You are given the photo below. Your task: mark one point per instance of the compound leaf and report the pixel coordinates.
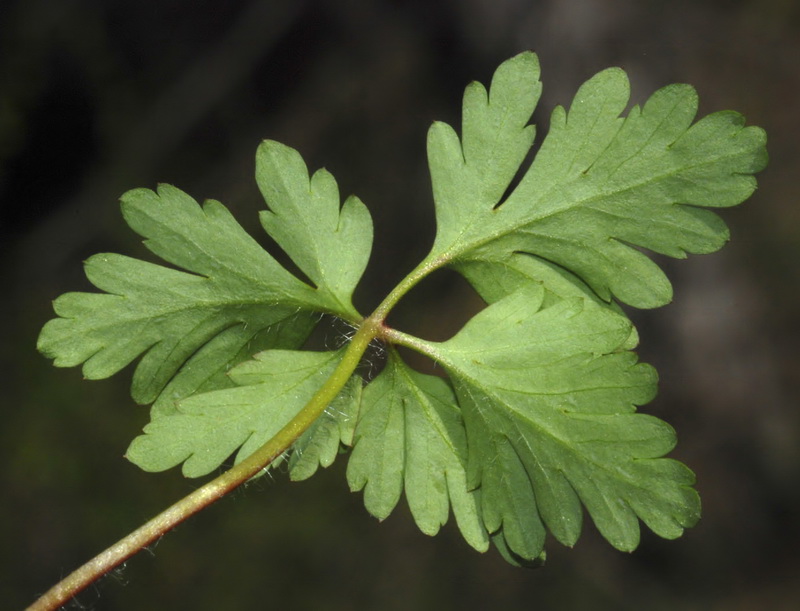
(207, 428)
(537, 419)
(600, 187)
(191, 326)
(410, 436)
(549, 411)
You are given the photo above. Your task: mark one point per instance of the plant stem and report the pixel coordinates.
(369, 329)
(428, 265)
(214, 490)
(410, 341)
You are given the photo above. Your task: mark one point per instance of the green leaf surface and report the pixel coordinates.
(410, 436)
(536, 422)
(329, 435)
(600, 188)
(470, 175)
(208, 428)
(549, 409)
(495, 279)
(195, 323)
(207, 368)
(330, 245)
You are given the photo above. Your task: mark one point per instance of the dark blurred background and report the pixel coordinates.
(100, 97)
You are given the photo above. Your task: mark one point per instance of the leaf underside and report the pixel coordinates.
(410, 437)
(229, 299)
(536, 420)
(600, 188)
(268, 391)
(553, 399)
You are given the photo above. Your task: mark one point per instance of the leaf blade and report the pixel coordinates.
(601, 186)
(330, 245)
(207, 428)
(553, 398)
(410, 438)
(228, 285)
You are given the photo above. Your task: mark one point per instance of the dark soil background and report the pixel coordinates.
(100, 97)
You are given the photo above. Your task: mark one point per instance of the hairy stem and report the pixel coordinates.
(409, 341)
(214, 490)
(369, 329)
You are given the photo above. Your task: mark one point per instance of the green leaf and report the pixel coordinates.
(549, 410)
(410, 436)
(331, 246)
(193, 325)
(470, 176)
(601, 186)
(207, 428)
(207, 368)
(495, 279)
(537, 419)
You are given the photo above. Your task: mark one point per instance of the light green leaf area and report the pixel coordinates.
(207, 369)
(330, 245)
(495, 279)
(410, 436)
(601, 187)
(550, 416)
(330, 434)
(190, 326)
(208, 428)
